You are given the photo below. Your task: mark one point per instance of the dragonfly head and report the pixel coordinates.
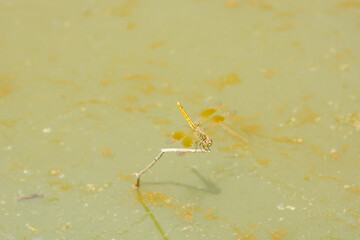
(207, 143)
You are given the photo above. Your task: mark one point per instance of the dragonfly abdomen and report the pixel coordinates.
(186, 116)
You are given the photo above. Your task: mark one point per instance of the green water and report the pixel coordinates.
(88, 92)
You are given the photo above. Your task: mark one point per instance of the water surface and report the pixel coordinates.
(88, 92)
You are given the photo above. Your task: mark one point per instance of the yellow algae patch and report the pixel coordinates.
(349, 4)
(32, 228)
(288, 140)
(65, 82)
(266, 6)
(277, 235)
(318, 150)
(66, 226)
(226, 81)
(106, 152)
(330, 178)
(307, 96)
(210, 214)
(52, 58)
(10, 123)
(161, 200)
(146, 88)
(95, 117)
(345, 148)
(232, 4)
(164, 64)
(352, 119)
(156, 44)
(307, 115)
(61, 185)
(55, 172)
(123, 10)
(137, 109)
(130, 99)
(92, 101)
(187, 213)
(244, 235)
(285, 27)
(296, 44)
(6, 85)
(144, 109)
(263, 162)
(106, 82)
(131, 26)
(324, 177)
(157, 199)
(132, 77)
(55, 183)
(124, 177)
(66, 187)
(94, 188)
(160, 64)
(269, 73)
(260, 4)
(353, 189)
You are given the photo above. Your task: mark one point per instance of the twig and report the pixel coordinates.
(31, 196)
(164, 150)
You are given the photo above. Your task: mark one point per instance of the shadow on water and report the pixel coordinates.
(209, 186)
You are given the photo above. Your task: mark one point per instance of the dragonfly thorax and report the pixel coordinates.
(203, 140)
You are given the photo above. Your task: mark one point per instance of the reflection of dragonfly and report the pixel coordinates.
(197, 135)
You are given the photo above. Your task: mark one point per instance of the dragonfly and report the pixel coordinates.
(197, 135)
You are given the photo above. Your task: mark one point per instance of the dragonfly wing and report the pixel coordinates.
(220, 118)
(178, 134)
(188, 141)
(209, 112)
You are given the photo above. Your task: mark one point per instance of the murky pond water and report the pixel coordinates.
(88, 93)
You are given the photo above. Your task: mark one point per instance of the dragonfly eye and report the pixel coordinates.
(208, 142)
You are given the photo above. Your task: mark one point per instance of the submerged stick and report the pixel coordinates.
(164, 150)
(31, 196)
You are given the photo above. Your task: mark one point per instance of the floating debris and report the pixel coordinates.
(31, 196)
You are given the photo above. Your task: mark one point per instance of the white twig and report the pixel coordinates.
(165, 150)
